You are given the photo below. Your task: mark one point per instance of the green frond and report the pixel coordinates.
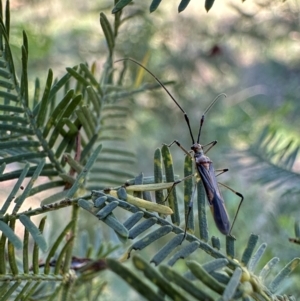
(229, 278)
(273, 158)
(225, 281)
(20, 278)
(102, 200)
(73, 132)
(62, 125)
(39, 279)
(64, 120)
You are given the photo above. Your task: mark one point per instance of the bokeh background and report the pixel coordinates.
(250, 51)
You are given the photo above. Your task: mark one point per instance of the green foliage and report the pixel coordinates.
(254, 62)
(49, 127)
(55, 133)
(226, 276)
(73, 134)
(274, 157)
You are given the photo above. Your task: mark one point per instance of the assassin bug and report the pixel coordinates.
(204, 167)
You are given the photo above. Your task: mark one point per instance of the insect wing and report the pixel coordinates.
(214, 197)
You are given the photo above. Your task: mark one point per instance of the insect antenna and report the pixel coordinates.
(168, 92)
(202, 118)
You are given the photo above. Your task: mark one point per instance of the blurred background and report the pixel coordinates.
(250, 51)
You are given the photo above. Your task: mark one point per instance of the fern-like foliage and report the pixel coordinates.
(228, 277)
(74, 127)
(273, 159)
(63, 125)
(72, 133)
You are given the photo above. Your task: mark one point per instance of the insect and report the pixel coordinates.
(204, 167)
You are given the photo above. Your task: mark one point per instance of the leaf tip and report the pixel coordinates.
(115, 10)
(208, 5)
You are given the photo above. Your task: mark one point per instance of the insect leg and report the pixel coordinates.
(179, 145)
(221, 171)
(211, 145)
(238, 209)
(176, 183)
(189, 207)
